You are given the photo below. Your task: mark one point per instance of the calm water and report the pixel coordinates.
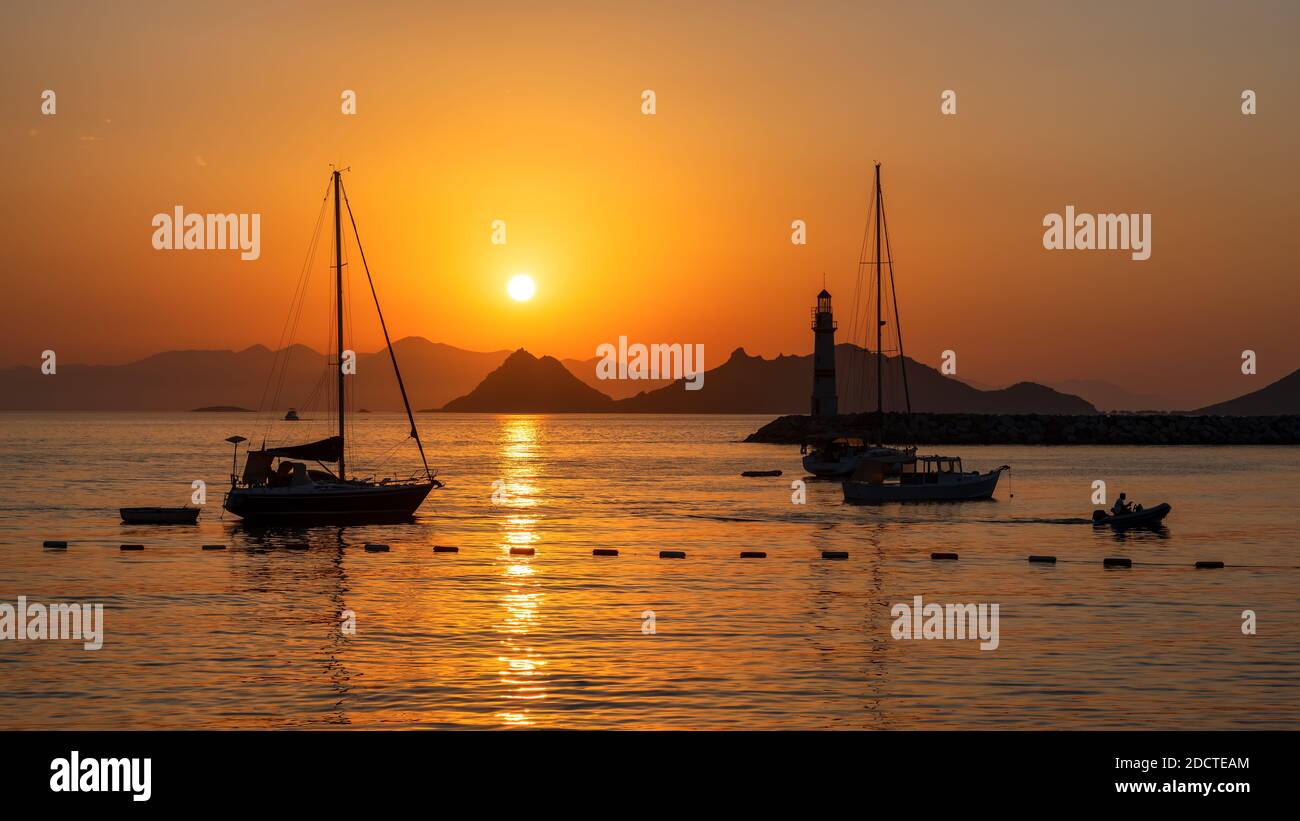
(249, 637)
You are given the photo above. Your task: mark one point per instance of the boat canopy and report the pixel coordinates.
(325, 450)
(257, 466)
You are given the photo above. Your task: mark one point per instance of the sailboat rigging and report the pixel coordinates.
(902, 475)
(841, 456)
(290, 492)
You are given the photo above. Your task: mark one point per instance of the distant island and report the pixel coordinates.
(222, 409)
(527, 384)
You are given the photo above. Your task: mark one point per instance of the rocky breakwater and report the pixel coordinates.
(1038, 429)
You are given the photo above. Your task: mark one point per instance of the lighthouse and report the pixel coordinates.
(824, 401)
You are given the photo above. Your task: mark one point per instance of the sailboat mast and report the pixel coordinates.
(338, 270)
(880, 389)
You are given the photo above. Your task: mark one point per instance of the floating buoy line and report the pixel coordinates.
(61, 545)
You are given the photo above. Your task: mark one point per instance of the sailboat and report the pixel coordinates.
(838, 457)
(276, 485)
(900, 474)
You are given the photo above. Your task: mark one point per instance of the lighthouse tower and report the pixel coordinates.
(824, 400)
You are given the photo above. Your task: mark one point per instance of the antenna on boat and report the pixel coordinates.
(234, 457)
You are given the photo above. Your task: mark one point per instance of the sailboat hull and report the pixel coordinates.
(841, 465)
(327, 503)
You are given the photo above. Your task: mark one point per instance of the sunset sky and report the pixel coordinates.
(673, 227)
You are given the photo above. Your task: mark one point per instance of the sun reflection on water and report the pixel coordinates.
(522, 673)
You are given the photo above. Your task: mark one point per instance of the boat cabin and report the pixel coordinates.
(930, 469)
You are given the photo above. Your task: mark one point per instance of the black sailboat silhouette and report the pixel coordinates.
(840, 457)
(904, 476)
(292, 493)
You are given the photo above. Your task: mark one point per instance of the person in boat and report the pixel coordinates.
(1121, 506)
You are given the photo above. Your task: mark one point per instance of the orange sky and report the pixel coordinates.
(673, 227)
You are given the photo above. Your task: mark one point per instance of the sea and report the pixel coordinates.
(266, 635)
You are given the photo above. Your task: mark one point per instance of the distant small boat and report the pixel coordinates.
(291, 416)
(761, 473)
(1146, 517)
(159, 515)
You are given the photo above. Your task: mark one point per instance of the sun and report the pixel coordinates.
(521, 287)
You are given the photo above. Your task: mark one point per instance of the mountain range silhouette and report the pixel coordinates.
(443, 377)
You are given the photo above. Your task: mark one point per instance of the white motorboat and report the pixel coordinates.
(923, 479)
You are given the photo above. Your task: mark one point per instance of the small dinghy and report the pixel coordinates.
(159, 515)
(1145, 517)
(761, 473)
